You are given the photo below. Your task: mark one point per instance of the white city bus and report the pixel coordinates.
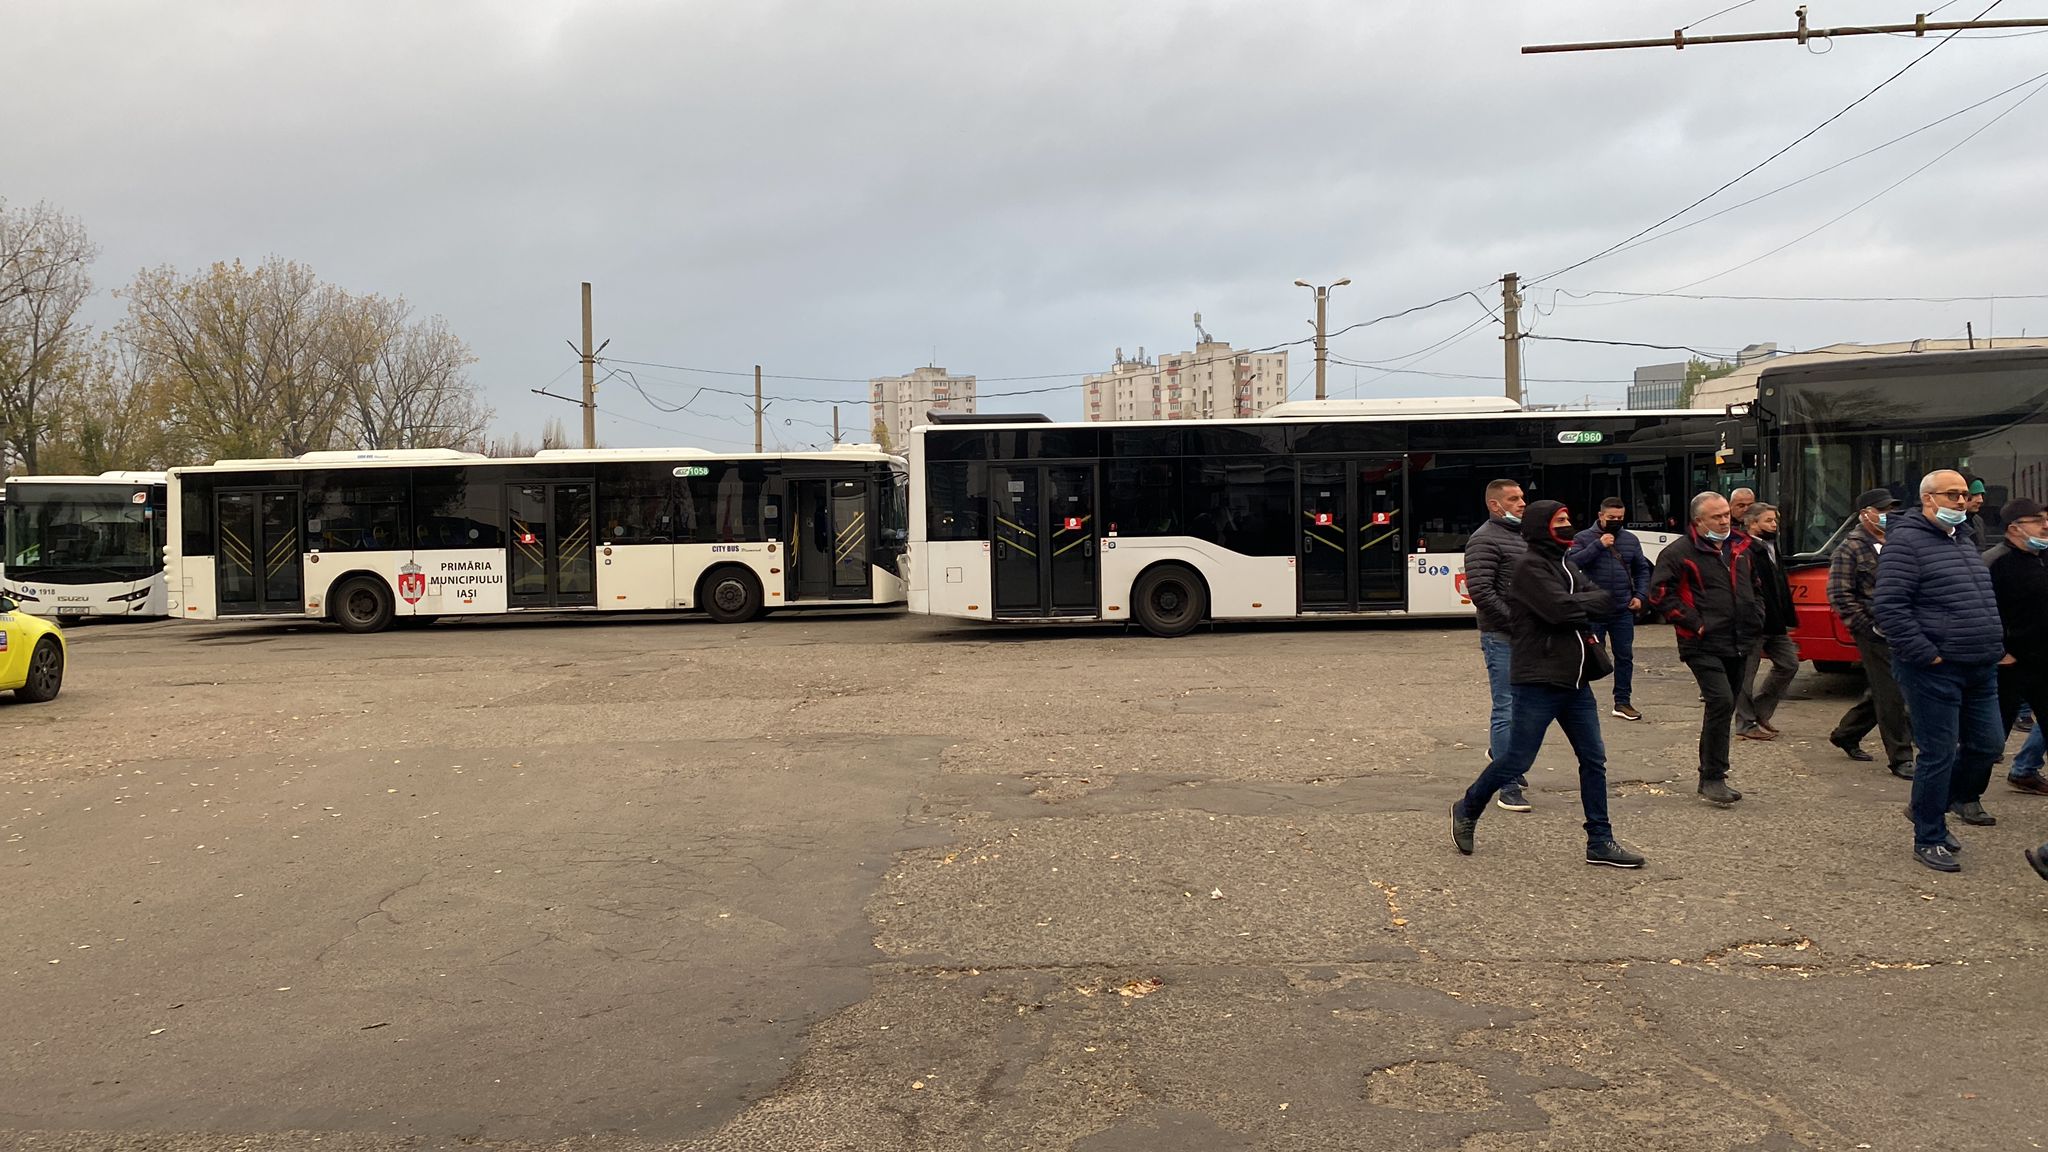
(368, 539)
(86, 545)
(1320, 508)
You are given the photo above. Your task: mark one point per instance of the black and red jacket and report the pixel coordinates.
(1711, 593)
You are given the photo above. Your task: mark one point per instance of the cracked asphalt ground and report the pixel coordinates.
(878, 883)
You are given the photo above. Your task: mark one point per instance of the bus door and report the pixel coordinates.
(1351, 553)
(256, 549)
(550, 563)
(1044, 547)
(829, 554)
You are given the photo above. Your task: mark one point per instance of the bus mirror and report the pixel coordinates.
(1729, 449)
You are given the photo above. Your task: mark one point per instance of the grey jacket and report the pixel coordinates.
(1490, 555)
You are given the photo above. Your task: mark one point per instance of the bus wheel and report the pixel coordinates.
(730, 595)
(45, 673)
(362, 605)
(1170, 600)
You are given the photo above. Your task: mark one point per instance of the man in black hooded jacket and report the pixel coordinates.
(1551, 605)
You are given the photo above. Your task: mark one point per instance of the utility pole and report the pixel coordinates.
(1511, 319)
(1322, 330)
(589, 376)
(835, 422)
(1970, 330)
(757, 407)
(1920, 26)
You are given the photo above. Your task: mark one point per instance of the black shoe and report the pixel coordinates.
(1718, 792)
(1613, 855)
(1937, 857)
(1972, 812)
(1902, 771)
(1853, 750)
(2039, 861)
(1461, 827)
(1949, 841)
(1513, 799)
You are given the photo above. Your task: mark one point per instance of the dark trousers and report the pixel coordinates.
(1574, 710)
(1955, 722)
(1882, 706)
(1620, 634)
(2024, 684)
(1719, 678)
(1754, 705)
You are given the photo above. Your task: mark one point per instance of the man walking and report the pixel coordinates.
(1551, 606)
(1613, 557)
(1936, 606)
(1706, 586)
(1490, 556)
(2019, 579)
(1852, 593)
(1754, 707)
(1739, 503)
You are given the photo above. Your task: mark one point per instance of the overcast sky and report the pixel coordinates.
(851, 189)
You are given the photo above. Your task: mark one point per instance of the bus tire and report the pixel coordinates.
(1170, 600)
(45, 672)
(361, 605)
(730, 595)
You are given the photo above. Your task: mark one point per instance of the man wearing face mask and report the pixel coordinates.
(1936, 605)
(1613, 557)
(1490, 556)
(1852, 593)
(1551, 605)
(1755, 706)
(2019, 578)
(1707, 587)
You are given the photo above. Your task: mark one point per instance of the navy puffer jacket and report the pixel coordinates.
(1934, 595)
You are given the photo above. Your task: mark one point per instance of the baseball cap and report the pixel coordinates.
(2019, 508)
(1879, 498)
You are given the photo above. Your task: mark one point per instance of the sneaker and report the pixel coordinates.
(1613, 855)
(1937, 857)
(1972, 812)
(1718, 792)
(2039, 861)
(2028, 783)
(1626, 712)
(1514, 799)
(1461, 827)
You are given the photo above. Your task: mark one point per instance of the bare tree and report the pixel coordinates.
(114, 416)
(245, 353)
(45, 259)
(407, 381)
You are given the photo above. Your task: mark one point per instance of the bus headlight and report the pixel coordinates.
(129, 597)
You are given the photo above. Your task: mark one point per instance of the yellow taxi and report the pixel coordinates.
(31, 654)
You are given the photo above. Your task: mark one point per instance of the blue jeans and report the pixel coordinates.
(1497, 649)
(1954, 709)
(1574, 710)
(1623, 648)
(2031, 755)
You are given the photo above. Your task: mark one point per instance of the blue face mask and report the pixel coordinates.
(1716, 537)
(1884, 519)
(1951, 516)
(2037, 543)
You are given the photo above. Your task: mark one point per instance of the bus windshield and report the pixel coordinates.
(100, 530)
(1840, 429)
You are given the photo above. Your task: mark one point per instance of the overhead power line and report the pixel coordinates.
(1976, 299)
(1759, 165)
(1803, 33)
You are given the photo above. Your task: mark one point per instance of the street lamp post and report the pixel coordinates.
(1322, 329)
